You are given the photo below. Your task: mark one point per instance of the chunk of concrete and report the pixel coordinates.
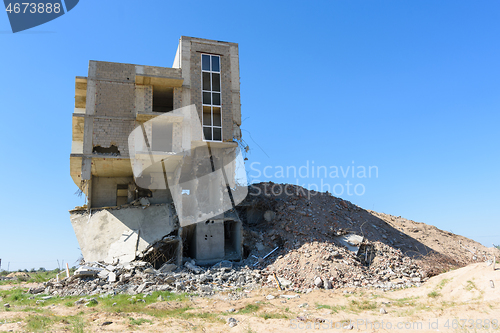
(87, 271)
(166, 268)
(351, 241)
(192, 267)
(112, 277)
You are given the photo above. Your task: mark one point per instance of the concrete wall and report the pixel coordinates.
(209, 240)
(104, 190)
(188, 57)
(120, 234)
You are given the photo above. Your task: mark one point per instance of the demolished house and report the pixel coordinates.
(156, 152)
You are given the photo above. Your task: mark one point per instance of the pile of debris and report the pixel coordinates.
(140, 277)
(295, 240)
(323, 265)
(328, 242)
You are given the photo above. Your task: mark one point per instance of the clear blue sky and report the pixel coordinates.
(411, 87)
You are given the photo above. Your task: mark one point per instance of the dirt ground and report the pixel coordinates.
(461, 300)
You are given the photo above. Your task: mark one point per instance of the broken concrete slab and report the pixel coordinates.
(192, 267)
(87, 271)
(119, 235)
(166, 268)
(351, 241)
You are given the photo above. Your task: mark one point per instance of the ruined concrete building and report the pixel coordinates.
(155, 151)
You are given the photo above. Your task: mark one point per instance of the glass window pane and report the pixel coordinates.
(217, 134)
(206, 81)
(215, 81)
(207, 132)
(217, 117)
(205, 62)
(215, 64)
(206, 98)
(207, 116)
(216, 98)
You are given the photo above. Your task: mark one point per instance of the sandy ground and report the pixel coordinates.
(462, 300)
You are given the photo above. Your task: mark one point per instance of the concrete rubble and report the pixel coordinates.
(139, 277)
(304, 244)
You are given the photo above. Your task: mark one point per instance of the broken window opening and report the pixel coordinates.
(187, 239)
(163, 99)
(231, 240)
(121, 194)
(143, 193)
(111, 150)
(162, 136)
(163, 252)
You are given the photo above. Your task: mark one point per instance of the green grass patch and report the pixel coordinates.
(77, 324)
(443, 283)
(267, 316)
(337, 308)
(249, 308)
(38, 323)
(139, 321)
(323, 306)
(407, 301)
(433, 294)
(137, 303)
(470, 285)
(364, 305)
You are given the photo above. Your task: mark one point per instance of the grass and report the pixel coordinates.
(20, 297)
(267, 316)
(337, 308)
(139, 321)
(77, 324)
(127, 303)
(250, 308)
(334, 308)
(43, 323)
(407, 301)
(364, 305)
(37, 323)
(470, 285)
(439, 286)
(322, 306)
(39, 276)
(443, 282)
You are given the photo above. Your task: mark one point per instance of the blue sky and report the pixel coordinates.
(409, 87)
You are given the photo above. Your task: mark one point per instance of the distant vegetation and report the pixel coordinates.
(33, 275)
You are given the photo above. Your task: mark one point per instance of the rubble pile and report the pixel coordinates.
(140, 277)
(323, 265)
(295, 240)
(309, 228)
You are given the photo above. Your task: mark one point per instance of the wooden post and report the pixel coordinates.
(67, 270)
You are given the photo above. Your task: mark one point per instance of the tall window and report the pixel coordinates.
(211, 99)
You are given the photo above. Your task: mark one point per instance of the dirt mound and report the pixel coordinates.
(19, 275)
(474, 282)
(310, 230)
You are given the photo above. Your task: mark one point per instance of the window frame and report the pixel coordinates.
(211, 91)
